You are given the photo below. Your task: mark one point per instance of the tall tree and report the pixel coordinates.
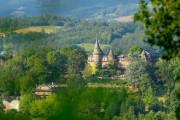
(161, 21)
(76, 58)
(57, 65)
(1, 104)
(135, 70)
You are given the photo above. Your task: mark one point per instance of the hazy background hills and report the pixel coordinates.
(41, 27)
(81, 9)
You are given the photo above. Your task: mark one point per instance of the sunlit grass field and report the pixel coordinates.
(46, 29)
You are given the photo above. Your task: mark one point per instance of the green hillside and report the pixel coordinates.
(43, 31)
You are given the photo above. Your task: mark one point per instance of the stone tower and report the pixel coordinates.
(97, 53)
(110, 56)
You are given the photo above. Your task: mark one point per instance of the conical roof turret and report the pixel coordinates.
(97, 49)
(145, 55)
(110, 55)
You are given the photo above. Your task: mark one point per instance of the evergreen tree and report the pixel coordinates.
(161, 22)
(1, 105)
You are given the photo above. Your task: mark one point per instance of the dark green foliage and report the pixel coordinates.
(135, 70)
(161, 23)
(27, 83)
(43, 65)
(135, 51)
(157, 106)
(46, 65)
(57, 65)
(26, 101)
(71, 32)
(13, 115)
(39, 66)
(1, 105)
(177, 112)
(9, 76)
(75, 81)
(177, 98)
(82, 104)
(77, 59)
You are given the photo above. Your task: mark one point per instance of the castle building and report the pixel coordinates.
(45, 90)
(98, 58)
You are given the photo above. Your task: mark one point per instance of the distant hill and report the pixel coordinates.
(81, 9)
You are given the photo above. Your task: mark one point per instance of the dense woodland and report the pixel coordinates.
(21, 73)
(70, 32)
(37, 58)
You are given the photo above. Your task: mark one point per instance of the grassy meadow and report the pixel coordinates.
(46, 29)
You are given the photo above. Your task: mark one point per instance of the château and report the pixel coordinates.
(98, 58)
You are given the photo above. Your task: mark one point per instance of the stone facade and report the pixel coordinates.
(98, 58)
(45, 90)
(10, 103)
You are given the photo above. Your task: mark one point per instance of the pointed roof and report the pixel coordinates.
(97, 49)
(110, 54)
(145, 55)
(97, 44)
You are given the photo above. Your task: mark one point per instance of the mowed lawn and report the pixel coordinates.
(89, 46)
(46, 29)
